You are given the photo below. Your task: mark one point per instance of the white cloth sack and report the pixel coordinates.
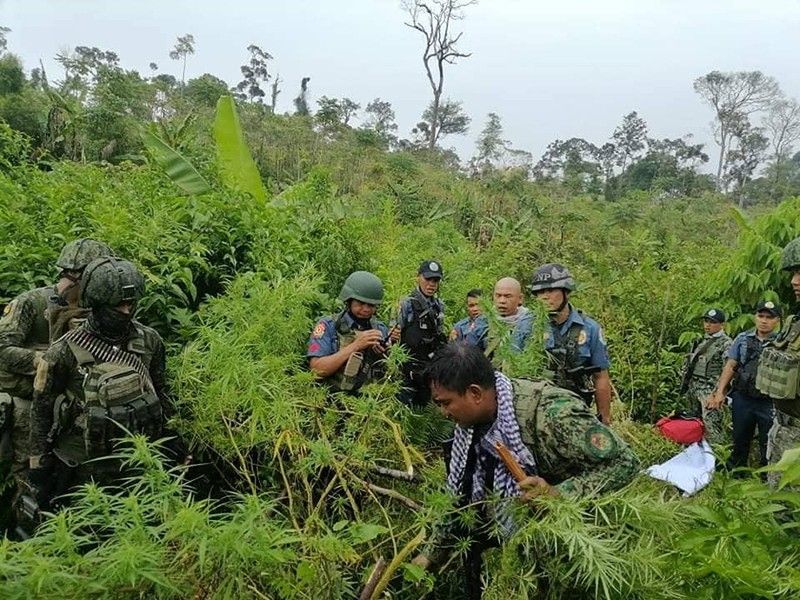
(690, 471)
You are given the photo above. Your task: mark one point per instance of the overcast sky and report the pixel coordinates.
(558, 69)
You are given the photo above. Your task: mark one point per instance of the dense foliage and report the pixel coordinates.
(296, 495)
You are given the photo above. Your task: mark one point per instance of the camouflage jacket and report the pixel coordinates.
(58, 374)
(24, 332)
(573, 450)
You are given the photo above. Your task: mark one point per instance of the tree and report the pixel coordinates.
(12, 76)
(434, 19)
(748, 145)
(255, 73)
(380, 118)
(782, 123)
(734, 96)
(183, 48)
(574, 161)
(450, 119)
(301, 102)
(335, 113)
(629, 139)
(491, 145)
(273, 93)
(205, 90)
(3, 39)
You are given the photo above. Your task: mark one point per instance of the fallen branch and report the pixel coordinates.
(372, 582)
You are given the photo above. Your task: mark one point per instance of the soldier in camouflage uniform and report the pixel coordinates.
(778, 373)
(554, 437)
(345, 350)
(701, 371)
(107, 374)
(29, 324)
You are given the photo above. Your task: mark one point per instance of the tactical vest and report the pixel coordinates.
(423, 335)
(704, 358)
(361, 367)
(117, 396)
(745, 379)
(778, 373)
(565, 362)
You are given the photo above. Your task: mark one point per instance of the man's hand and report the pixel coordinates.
(533, 487)
(714, 401)
(371, 338)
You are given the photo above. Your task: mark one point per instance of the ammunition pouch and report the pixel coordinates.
(778, 375)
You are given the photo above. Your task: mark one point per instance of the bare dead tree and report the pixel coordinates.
(734, 96)
(434, 19)
(783, 124)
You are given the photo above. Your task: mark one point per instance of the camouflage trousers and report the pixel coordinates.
(784, 435)
(715, 421)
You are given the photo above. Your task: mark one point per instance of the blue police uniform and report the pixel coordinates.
(522, 330)
(750, 409)
(467, 330)
(591, 345)
(324, 340)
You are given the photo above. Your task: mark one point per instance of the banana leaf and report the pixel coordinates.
(179, 170)
(236, 166)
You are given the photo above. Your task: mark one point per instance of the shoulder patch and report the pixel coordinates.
(319, 330)
(600, 336)
(8, 308)
(582, 337)
(599, 442)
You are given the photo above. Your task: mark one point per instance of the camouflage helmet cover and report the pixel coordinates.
(362, 286)
(552, 276)
(790, 256)
(109, 281)
(79, 253)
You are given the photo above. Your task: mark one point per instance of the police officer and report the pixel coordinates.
(420, 328)
(30, 322)
(555, 439)
(751, 408)
(577, 352)
(464, 330)
(345, 350)
(701, 371)
(779, 372)
(106, 375)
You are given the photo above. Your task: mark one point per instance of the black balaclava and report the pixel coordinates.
(110, 324)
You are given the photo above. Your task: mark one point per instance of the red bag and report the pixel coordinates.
(683, 430)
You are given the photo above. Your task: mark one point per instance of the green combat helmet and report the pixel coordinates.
(790, 257)
(108, 282)
(362, 286)
(552, 276)
(76, 255)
